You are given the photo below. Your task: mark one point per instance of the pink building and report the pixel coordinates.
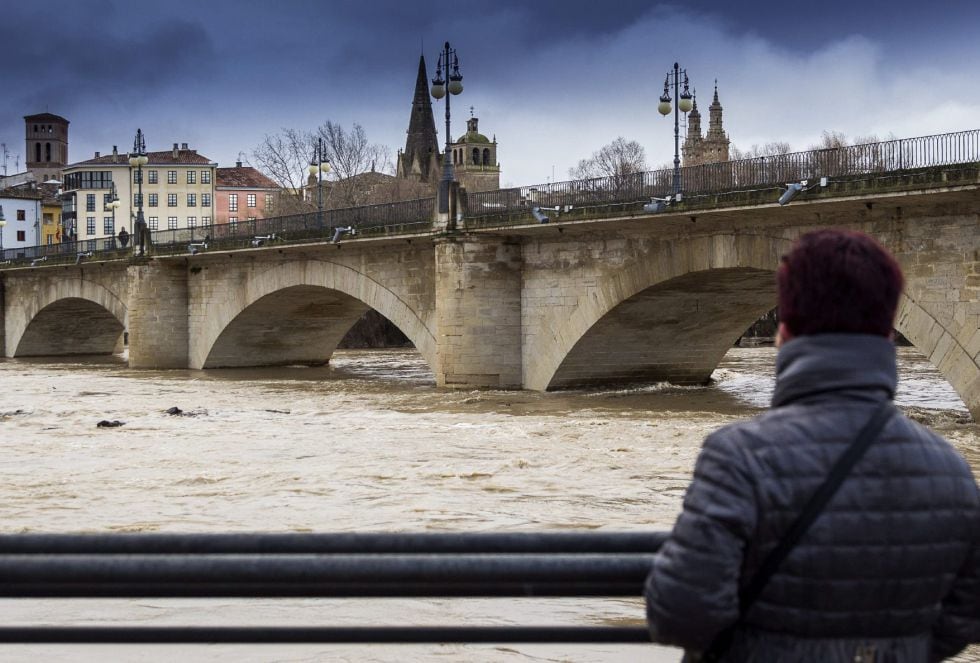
(243, 193)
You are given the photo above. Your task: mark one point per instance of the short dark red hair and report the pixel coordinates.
(838, 281)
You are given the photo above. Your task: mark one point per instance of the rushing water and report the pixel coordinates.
(365, 444)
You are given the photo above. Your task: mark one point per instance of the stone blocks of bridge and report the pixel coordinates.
(478, 312)
(158, 303)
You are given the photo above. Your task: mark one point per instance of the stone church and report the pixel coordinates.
(712, 147)
(474, 155)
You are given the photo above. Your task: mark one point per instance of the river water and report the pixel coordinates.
(365, 444)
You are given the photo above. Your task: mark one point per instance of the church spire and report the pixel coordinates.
(420, 160)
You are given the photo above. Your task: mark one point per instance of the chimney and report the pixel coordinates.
(175, 150)
(115, 150)
(238, 164)
(96, 155)
(183, 146)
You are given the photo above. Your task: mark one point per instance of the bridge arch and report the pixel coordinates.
(67, 317)
(298, 312)
(669, 316)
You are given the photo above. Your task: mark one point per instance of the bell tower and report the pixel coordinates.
(47, 145)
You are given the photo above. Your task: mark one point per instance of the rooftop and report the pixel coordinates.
(245, 177)
(179, 157)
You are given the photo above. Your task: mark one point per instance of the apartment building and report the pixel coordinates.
(178, 188)
(244, 194)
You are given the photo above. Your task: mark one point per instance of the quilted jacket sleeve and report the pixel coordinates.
(959, 623)
(692, 591)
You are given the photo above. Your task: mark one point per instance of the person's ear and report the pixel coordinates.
(783, 334)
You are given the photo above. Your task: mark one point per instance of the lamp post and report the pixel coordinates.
(684, 105)
(137, 160)
(319, 166)
(113, 204)
(447, 59)
(3, 222)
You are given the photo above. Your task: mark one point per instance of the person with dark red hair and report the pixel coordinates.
(831, 528)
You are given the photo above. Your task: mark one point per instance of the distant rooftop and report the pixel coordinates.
(243, 177)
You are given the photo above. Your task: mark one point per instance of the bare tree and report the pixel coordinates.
(618, 158)
(769, 149)
(284, 157)
(352, 155)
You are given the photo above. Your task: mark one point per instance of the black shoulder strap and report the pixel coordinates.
(813, 508)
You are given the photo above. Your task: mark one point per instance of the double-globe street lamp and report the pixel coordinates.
(684, 104)
(318, 166)
(137, 160)
(449, 62)
(3, 222)
(113, 204)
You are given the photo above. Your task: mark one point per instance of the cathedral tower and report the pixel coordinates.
(420, 159)
(47, 145)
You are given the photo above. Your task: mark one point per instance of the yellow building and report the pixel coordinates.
(178, 192)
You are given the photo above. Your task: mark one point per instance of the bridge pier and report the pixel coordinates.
(158, 298)
(478, 312)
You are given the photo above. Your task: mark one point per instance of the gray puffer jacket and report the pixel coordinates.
(891, 566)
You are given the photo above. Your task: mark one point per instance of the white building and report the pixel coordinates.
(178, 192)
(21, 227)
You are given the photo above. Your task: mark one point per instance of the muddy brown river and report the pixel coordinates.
(365, 444)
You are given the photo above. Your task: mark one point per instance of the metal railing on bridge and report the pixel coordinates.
(768, 171)
(414, 216)
(561, 564)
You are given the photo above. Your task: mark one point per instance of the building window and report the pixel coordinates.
(153, 223)
(22, 214)
(191, 176)
(137, 199)
(251, 218)
(192, 222)
(232, 220)
(171, 223)
(90, 225)
(109, 244)
(90, 202)
(232, 202)
(153, 177)
(106, 199)
(154, 199)
(268, 203)
(192, 199)
(137, 176)
(205, 220)
(251, 200)
(205, 200)
(171, 177)
(171, 200)
(205, 177)
(486, 157)
(50, 240)
(22, 234)
(108, 226)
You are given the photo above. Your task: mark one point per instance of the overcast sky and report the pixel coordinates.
(554, 80)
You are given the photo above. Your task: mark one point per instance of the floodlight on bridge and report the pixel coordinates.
(196, 247)
(259, 240)
(37, 260)
(82, 254)
(657, 205)
(540, 216)
(796, 188)
(340, 230)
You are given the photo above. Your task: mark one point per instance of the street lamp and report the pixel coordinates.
(319, 166)
(3, 222)
(447, 58)
(113, 204)
(684, 105)
(137, 160)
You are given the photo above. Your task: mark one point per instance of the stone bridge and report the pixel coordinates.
(604, 295)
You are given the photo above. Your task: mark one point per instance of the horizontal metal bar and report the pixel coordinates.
(408, 542)
(323, 575)
(350, 635)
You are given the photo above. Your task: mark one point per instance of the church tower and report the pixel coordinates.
(714, 146)
(420, 159)
(47, 145)
(475, 159)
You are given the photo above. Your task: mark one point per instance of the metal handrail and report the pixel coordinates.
(415, 216)
(567, 564)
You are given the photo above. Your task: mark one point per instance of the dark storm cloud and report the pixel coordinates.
(221, 74)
